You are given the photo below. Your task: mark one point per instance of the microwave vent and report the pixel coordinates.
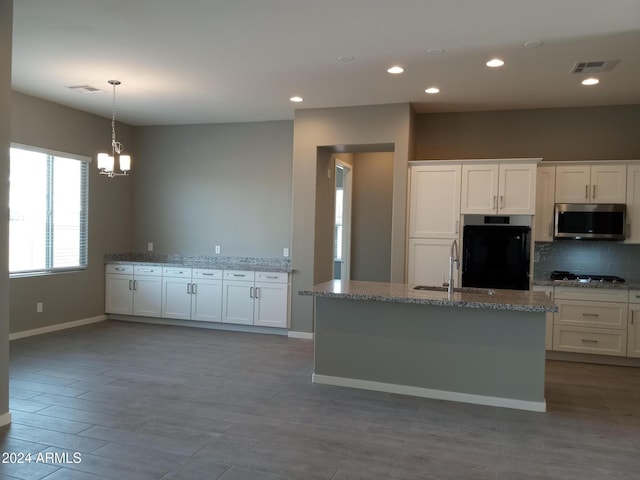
(594, 66)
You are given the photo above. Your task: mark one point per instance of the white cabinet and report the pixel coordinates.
(255, 298)
(548, 339)
(429, 261)
(591, 320)
(133, 290)
(633, 204)
(598, 183)
(545, 192)
(633, 335)
(498, 188)
(434, 201)
(192, 294)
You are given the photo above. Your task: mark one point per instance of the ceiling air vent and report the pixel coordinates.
(594, 67)
(85, 89)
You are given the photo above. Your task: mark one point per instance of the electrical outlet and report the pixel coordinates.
(150, 246)
(285, 252)
(39, 307)
(217, 249)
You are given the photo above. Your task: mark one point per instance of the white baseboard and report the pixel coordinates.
(5, 419)
(58, 326)
(302, 335)
(430, 393)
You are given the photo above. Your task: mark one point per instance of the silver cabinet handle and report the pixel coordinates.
(188, 289)
(207, 274)
(501, 201)
(632, 312)
(119, 269)
(593, 192)
(239, 274)
(135, 284)
(274, 277)
(194, 288)
(589, 314)
(586, 192)
(587, 340)
(256, 293)
(251, 292)
(495, 201)
(457, 226)
(130, 284)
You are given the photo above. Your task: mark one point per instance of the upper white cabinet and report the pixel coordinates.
(499, 188)
(545, 191)
(435, 201)
(598, 183)
(633, 204)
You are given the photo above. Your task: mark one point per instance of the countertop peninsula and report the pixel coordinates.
(482, 298)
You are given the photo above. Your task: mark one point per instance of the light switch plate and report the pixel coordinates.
(217, 248)
(285, 252)
(150, 246)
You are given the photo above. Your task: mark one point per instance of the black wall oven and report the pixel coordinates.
(496, 256)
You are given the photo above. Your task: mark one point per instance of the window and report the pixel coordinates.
(48, 203)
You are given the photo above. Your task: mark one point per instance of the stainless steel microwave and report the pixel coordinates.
(590, 221)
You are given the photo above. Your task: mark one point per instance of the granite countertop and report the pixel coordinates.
(629, 285)
(495, 299)
(217, 262)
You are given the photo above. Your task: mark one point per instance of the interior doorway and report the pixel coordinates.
(342, 220)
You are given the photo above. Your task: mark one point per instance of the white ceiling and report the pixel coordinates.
(213, 61)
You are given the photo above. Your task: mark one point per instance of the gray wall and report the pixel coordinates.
(198, 186)
(313, 128)
(588, 133)
(6, 19)
(78, 295)
(372, 217)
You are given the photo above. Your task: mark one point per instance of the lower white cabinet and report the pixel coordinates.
(255, 298)
(133, 290)
(633, 340)
(548, 338)
(591, 320)
(429, 261)
(192, 294)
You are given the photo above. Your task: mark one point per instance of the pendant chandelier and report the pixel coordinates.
(106, 162)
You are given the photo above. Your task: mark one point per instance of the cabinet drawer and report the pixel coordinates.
(591, 314)
(150, 271)
(207, 274)
(600, 341)
(272, 277)
(122, 269)
(592, 294)
(634, 296)
(176, 272)
(242, 275)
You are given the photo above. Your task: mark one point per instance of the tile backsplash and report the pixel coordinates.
(589, 257)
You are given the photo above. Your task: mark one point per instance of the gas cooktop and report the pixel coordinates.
(583, 277)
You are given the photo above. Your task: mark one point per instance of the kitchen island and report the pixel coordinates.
(476, 345)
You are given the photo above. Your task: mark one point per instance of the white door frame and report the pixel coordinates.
(346, 218)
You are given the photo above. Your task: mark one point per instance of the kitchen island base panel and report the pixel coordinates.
(430, 393)
(470, 353)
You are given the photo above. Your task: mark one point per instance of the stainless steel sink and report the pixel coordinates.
(430, 288)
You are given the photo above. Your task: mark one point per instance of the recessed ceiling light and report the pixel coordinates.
(590, 81)
(395, 69)
(345, 58)
(296, 99)
(432, 90)
(436, 51)
(495, 62)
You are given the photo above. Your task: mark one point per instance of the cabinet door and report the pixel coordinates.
(591, 314)
(237, 302)
(434, 206)
(119, 294)
(545, 198)
(271, 300)
(206, 300)
(633, 335)
(633, 204)
(517, 189)
(429, 262)
(479, 189)
(608, 183)
(573, 183)
(176, 298)
(147, 296)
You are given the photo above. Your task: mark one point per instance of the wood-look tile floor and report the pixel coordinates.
(147, 402)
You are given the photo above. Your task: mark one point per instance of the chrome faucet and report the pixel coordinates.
(454, 259)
